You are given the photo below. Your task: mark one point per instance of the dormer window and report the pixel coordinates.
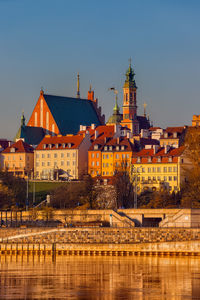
(56, 146)
(50, 146)
(63, 145)
(12, 150)
(165, 135)
(175, 135)
(159, 159)
(110, 148)
(106, 148)
(149, 159)
(69, 145)
(170, 159)
(138, 160)
(44, 146)
(96, 147)
(117, 148)
(122, 147)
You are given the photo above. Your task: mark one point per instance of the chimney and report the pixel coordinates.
(105, 139)
(155, 149)
(118, 140)
(93, 126)
(91, 94)
(96, 134)
(81, 127)
(167, 147)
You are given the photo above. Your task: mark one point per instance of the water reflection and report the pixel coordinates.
(38, 277)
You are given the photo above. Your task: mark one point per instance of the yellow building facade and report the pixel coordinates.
(159, 169)
(62, 156)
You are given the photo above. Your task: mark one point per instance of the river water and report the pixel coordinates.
(65, 277)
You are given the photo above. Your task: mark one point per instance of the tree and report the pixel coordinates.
(123, 186)
(191, 187)
(16, 189)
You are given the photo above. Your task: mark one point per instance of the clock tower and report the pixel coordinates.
(130, 102)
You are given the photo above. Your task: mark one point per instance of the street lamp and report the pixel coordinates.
(134, 174)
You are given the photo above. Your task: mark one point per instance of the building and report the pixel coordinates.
(3, 145)
(196, 121)
(173, 136)
(59, 157)
(64, 115)
(18, 159)
(158, 168)
(130, 118)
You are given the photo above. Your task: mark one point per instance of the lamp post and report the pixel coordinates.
(27, 191)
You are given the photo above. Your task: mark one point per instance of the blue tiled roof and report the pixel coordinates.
(31, 135)
(70, 113)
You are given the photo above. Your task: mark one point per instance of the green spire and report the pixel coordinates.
(130, 81)
(23, 119)
(116, 107)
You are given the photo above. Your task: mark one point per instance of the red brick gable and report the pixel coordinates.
(46, 109)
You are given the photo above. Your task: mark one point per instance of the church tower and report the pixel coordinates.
(130, 102)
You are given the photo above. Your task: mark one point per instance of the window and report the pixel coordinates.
(92, 155)
(55, 163)
(154, 170)
(159, 159)
(149, 170)
(104, 165)
(149, 159)
(165, 169)
(154, 178)
(143, 170)
(170, 159)
(68, 163)
(127, 155)
(117, 164)
(170, 178)
(138, 160)
(73, 163)
(97, 163)
(117, 156)
(149, 177)
(14, 158)
(62, 162)
(43, 155)
(97, 155)
(175, 178)
(48, 155)
(143, 178)
(169, 169)
(56, 146)
(63, 145)
(55, 155)
(20, 158)
(37, 155)
(48, 163)
(62, 155)
(110, 148)
(117, 148)
(106, 148)
(96, 147)
(158, 169)
(123, 156)
(158, 178)
(93, 163)
(97, 172)
(104, 156)
(74, 154)
(122, 147)
(43, 164)
(37, 164)
(103, 173)
(165, 178)
(107, 173)
(107, 156)
(107, 165)
(68, 154)
(182, 161)
(174, 169)
(69, 145)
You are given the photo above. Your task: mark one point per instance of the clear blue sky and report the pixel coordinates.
(44, 43)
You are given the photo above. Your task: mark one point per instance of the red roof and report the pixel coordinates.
(20, 147)
(144, 154)
(103, 131)
(50, 142)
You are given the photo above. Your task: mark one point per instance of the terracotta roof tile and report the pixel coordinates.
(74, 140)
(20, 147)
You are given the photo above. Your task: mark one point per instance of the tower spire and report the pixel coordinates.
(78, 86)
(145, 105)
(23, 120)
